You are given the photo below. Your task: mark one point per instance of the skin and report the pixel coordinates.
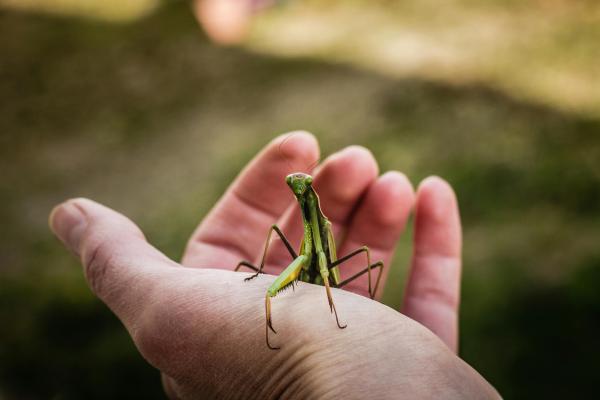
(227, 22)
(202, 326)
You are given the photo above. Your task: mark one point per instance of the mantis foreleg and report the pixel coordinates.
(287, 277)
(321, 257)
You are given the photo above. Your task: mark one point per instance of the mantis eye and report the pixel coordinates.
(288, 179)
(308, 180)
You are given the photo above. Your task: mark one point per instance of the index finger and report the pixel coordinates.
(237, 226)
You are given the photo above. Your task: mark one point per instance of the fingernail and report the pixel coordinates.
(68, 223)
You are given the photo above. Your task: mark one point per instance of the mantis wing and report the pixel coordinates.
(335, 271)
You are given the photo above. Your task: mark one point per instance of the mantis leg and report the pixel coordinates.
(363, 249)
(269, 324)
(267, 243)
(246, 264)
(285, 279)
(378, 264)
(330, 299)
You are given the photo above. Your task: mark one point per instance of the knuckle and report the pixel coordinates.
(97, 262)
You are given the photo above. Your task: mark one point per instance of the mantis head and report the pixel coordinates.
(298, 182)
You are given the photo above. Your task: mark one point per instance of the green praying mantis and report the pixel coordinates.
(317, 260)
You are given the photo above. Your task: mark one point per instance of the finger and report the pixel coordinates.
(121, 268)
(224, 21)
(236, 227)
(343, 180)
(340, 182)
(433, 291)
(378, 223)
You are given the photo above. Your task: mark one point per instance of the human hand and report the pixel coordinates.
(227, 21)
(204, 328)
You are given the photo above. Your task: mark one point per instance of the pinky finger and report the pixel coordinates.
(433, 291)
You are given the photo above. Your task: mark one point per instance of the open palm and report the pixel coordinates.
(364, 208)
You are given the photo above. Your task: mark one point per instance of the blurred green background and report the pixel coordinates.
(129, 104)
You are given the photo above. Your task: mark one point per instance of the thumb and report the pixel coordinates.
(120, 266)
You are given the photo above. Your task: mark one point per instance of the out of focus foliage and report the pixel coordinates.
(152, 120)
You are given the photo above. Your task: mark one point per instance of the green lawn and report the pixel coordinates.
(152, 120)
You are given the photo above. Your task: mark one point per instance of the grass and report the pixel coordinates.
(543, 51)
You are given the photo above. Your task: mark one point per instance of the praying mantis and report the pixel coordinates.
(317, 260)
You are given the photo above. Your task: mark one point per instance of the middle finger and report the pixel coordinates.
(341, 181)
